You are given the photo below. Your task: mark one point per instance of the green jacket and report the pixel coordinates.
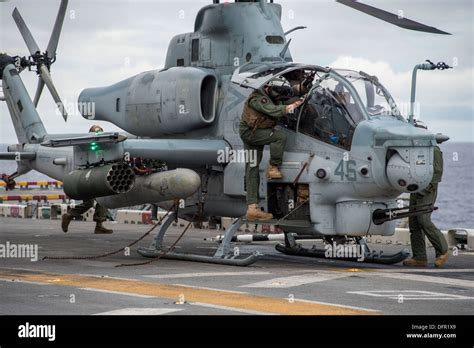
(437, 165)
(262, 103)
(260, 111)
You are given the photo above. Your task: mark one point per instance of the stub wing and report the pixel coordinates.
(85, 140)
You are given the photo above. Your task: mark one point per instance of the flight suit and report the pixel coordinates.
(421, 225)
(100, 213)
(257, 129)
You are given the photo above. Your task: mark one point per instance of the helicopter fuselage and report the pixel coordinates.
(348, 152)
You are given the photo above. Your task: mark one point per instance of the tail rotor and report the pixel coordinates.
(43, 61)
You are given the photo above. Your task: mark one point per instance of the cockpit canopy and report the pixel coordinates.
(376, 100)
(335, 101)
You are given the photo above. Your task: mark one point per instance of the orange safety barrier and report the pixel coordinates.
(35, 183)
(21, 198)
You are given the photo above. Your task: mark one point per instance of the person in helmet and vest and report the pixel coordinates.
(262, 111)
(421, 226)
(100, 212)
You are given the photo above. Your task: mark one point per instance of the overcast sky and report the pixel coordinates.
(105, 41)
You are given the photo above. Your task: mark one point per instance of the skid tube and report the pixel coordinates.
(292, 248)
(224, 255)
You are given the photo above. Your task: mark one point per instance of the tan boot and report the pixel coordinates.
(415, 263)
(65, 221)
(273, 172)
(441, 260)
(100, 229)
(254, 213)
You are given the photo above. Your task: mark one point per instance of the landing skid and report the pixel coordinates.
(292, 248)
(224, 255)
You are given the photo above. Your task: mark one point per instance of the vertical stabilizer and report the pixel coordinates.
(28, 126)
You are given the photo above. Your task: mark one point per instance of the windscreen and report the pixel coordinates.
(375, 98)
(331, 112)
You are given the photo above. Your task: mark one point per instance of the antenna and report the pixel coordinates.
(295, 28)
(283, 51)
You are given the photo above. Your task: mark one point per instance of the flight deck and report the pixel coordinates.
(275, 284)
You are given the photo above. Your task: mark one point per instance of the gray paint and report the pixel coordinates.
(226, 31)
(155, 188)
(156, 102)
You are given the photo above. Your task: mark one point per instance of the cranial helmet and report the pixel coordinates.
(279, 90)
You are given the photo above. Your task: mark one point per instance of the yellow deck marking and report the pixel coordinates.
(214, 297)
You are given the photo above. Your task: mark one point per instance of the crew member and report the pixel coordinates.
(9, 182)
(261, 113)
(100, 213)
(300, 81)
(421, 225)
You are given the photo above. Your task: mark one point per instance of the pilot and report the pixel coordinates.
(261, 114)
(300, 82)
(100, 213)
(421, 225)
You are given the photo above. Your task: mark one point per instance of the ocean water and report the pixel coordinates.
(455, 195)
(456, 191)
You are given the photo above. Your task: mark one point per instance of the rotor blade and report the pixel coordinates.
(25, 32)
(391, 18)
(46, 77)
(39, 89)
(53, 41)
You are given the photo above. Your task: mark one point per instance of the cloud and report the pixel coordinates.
(441, 94)
(102, 36)
(447, 88)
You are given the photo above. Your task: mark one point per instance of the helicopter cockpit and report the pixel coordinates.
(330, 113)
(338, 101)
(375, 98)
(335, 100)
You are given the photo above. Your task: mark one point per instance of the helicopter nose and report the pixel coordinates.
(409, 169)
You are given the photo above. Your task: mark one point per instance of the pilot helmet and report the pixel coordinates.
(279, 91)
(96, 129)
(295, 75)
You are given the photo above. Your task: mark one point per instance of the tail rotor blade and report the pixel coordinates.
(25, 32)
(391, 18)
(53, 41)
(42, 61)
(39, 89)
(46, 77)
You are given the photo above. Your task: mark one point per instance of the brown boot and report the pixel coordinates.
(255, 213)
(65, 221)
(273, 172)
(100, 229)
(415, 263)
(441, 260)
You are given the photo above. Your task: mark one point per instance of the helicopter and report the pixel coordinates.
(349, 154)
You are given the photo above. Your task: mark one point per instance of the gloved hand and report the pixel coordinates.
(427, 190)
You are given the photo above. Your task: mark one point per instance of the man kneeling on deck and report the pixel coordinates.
(261, 114)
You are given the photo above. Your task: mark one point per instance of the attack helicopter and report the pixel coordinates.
(349, 155)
